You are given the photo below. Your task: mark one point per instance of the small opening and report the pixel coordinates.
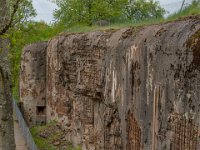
(43, 123)
(40, 110)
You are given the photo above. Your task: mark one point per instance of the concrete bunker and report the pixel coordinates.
(33, 83)
(90, 82)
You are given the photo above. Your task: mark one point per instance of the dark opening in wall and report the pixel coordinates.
(40, 110)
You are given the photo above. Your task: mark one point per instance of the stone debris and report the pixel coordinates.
(56, 143)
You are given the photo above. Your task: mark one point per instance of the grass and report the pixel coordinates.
(46, 143)
(117, 25)
(44, 32)
(15, 94)
(53, 133)
(42, 143)
(193, 9)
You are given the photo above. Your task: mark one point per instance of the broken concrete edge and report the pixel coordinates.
(124, 89)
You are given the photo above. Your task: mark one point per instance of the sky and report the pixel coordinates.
(45, 8)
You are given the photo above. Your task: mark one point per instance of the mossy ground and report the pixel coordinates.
(51, 137)
(194, 44)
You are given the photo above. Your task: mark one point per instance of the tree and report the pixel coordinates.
(72, 12)
(138, 10)
(87, 11)
(11, 14)
(14, 12)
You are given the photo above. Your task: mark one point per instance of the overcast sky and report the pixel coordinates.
(45, 8)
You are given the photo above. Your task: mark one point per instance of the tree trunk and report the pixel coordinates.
(3, 14)
(7, 141)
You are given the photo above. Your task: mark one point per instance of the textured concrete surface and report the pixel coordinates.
(32, 83)
(133, 88)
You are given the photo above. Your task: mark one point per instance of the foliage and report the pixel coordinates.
(46, 135)
(11, 14)
(73, 12)
(192, 9)
(24, 13)
(27, 33)
(87, 11)
(116, 25)
(138, 10)
(41, 143)
(15, 12)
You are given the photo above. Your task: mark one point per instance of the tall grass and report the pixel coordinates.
(193, 9)
(116, 25)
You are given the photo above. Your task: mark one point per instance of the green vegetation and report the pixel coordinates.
(42, 143)
(146, 11)
(51, 137)
(73, 16)
(76, 16)
(85, 28)
(15, 13)
(73, 12)
(80, 16)
(193, 9)
(25, 34)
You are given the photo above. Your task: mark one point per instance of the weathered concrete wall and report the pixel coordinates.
(33, 83)
(134, 88)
